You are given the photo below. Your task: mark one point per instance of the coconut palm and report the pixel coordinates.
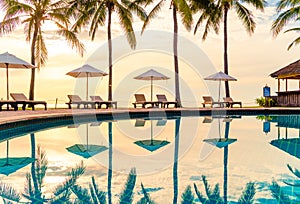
(182, 8)
(94, 13)
(215, 12)
(290, 11)
(33, 15)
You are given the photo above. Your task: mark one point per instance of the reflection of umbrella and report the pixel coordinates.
(221, 142)
(87, 150)
(151, 145)
(86, 71)
(10, 165)
(151, 75)
(11, 61)
(290, 146)
(220, 76)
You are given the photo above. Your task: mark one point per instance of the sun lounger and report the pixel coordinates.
(208, 100)
(164, 101)
(21, 99)
(141, 100)
(99, 101)
(12, 103)
(76, 100)
(229, 102)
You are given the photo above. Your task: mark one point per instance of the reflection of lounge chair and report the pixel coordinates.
(141, 100)
(99, 101)
(20, 98)
(208, 100)
(76, 100)
(139, 123)
(207, 119)
(164, 101)
(229, 102)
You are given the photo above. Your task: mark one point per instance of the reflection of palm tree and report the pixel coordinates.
(175, 165)
(109, 175)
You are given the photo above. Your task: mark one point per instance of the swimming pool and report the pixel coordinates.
(164, 154)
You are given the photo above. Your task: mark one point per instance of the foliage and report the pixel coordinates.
(265, 117)
(262, 101)
(146, 199)
(247, 196)
(187, 196)
(279, 194)
(212, 195)
(288, 11)
(127, 194)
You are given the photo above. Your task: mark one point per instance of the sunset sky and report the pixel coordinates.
(251, 60)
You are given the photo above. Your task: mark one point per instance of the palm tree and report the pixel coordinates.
(177, 6)
(216, 12)
(96, 12)
(292, 13)
(33, 14)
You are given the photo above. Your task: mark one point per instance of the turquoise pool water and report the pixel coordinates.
(167, 155)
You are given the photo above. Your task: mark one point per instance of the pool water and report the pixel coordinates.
(166, 155)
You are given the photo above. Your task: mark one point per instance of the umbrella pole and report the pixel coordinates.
(7, 147)
(219, 90)
(87, 86)
(151, 132)
(7, 85)
(151, 88)
(87, 137)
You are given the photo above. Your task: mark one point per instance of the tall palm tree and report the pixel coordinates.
(33, 14)
(94, 13)
(215, 12)
(290, 12)
(177, 6)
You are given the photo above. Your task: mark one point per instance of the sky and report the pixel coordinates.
(251, 60)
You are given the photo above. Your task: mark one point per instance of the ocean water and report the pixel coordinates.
(164, 155)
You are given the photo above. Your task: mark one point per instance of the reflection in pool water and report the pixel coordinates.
(232, 155)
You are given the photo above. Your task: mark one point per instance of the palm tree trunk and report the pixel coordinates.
(109, 176)
(175, 165)
(225, 51)
(109, 53)
(175, 44)
(32, 80)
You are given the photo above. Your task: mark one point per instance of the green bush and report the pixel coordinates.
(262, 101)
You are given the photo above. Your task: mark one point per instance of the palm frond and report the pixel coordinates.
(28, 189)
(282, 4)
(81, 193)
(96, 194)
(98, 19)
(72, 39)
(126, 195)
(296, 172)
(279, 194)
(9, 25)
(258, 4)
(146, 198)
(136, 9)
(185, 13)
(187, 196)
(294, 43)
(201, 198)
(284, 18)
(248, 194)
(63, 190)
(246, 17)
(41, 53)
(9, 193)
(125, 19)
(153, 13)
(28, 28)
(41, 166)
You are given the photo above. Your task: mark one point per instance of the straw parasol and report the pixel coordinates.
(86, 71)
(220, 76)
(9, 61)
(151, 75)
